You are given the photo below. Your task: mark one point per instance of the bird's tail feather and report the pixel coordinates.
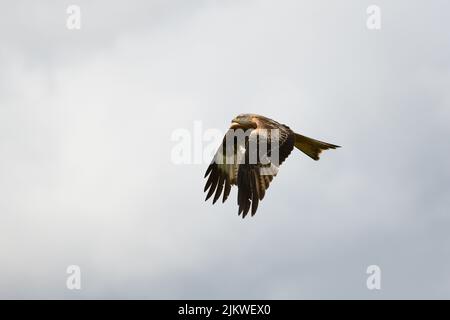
(312, 147)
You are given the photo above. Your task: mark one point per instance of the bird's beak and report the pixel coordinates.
(235, 125)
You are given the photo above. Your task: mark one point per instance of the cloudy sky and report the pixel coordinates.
(86, 124)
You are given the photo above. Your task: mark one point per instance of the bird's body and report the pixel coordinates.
(250, 156)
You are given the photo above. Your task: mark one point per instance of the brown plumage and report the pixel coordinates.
(233, 163)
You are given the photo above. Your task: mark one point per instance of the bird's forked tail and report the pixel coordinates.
(312, 147)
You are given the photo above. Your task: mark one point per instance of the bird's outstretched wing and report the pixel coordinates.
(254, 179)
(222, 172)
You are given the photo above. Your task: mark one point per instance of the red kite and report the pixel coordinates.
(253, 177)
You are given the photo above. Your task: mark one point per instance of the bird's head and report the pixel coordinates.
(244, 122)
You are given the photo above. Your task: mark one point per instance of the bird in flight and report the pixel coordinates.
(249, 157)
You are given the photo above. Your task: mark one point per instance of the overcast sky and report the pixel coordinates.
(86, 176)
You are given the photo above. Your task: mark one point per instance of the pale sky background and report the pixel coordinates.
(86, 177)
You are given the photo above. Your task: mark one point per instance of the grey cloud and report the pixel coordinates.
(86, 178)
